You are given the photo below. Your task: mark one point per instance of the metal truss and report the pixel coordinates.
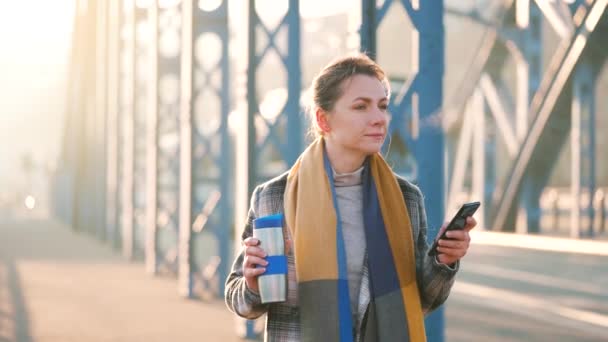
(163, 139)
(551, 114)
(275, 131)
(523, 127)
(161, 90)
(205, 205)
(415, 106)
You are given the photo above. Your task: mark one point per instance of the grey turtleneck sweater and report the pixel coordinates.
(349, 193)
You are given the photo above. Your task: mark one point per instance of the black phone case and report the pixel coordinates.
(457, 222)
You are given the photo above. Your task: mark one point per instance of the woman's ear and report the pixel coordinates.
(322, 122)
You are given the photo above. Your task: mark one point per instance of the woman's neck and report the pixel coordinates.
(342, 160)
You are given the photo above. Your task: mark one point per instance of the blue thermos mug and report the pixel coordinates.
(272, 283)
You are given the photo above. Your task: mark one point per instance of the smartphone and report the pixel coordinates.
(458, 222)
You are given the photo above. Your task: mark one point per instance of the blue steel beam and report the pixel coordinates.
(419, 102)
(429, 149)
(167, 144)
(206, 152)
(530, 44)
(367, 31)
(285, 134)
(488, 62)
(550, 115)
(583, 148)
(486, 57)
(261, 163)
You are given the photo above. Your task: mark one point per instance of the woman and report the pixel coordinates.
(355, 233)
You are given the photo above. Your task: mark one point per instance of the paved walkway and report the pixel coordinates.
(60, 286)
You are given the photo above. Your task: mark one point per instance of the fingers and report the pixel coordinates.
(471, 223)
(458, 235)
(253, 261)
(443, 227)
(252, 272)
(251, 241)
(255, 251)
(453, 244)
(458, 251)
(254, 257)
(457, 243)
(457, 246)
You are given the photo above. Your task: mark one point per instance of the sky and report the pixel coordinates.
(34, 44)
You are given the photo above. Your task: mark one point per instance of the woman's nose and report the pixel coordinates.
(380, 117)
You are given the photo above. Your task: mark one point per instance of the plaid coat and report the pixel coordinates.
(282, 321)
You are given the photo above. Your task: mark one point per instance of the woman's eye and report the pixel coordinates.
(383, 107)
(360, 107)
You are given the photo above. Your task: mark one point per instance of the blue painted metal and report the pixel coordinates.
(398, 148)
(423, 96)
(168, 167)
(550, 112)
(282, 144)
(294, 80)
(491, 170)
(207, 203)
(273, 153)
(530, 44)
(584, 83)
(429, 149)
(367, 31)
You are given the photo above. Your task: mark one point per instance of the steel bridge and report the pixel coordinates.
(177, 109)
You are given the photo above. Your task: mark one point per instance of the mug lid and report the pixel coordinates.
(270, 221)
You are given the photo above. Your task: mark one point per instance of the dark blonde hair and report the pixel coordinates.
(327, 86)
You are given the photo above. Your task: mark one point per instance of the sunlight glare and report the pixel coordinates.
(209, 5)
(22, 22)
(30, 202)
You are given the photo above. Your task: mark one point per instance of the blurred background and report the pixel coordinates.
(132, 133)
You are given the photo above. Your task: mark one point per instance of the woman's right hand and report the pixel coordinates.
(254, 255)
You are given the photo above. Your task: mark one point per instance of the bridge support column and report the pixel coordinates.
(583, 150)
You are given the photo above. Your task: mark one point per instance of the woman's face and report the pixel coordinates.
(359, 120)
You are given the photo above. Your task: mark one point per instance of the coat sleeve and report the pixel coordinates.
(435, 280)
(239, 298)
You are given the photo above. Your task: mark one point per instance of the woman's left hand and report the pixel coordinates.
(450, 251)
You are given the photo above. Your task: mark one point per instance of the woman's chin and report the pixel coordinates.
(372, 148)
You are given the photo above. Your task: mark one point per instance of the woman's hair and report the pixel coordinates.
(327, 86)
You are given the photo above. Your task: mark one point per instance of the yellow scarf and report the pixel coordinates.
(310, 214)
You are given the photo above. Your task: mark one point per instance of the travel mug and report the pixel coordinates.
(273, 282)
